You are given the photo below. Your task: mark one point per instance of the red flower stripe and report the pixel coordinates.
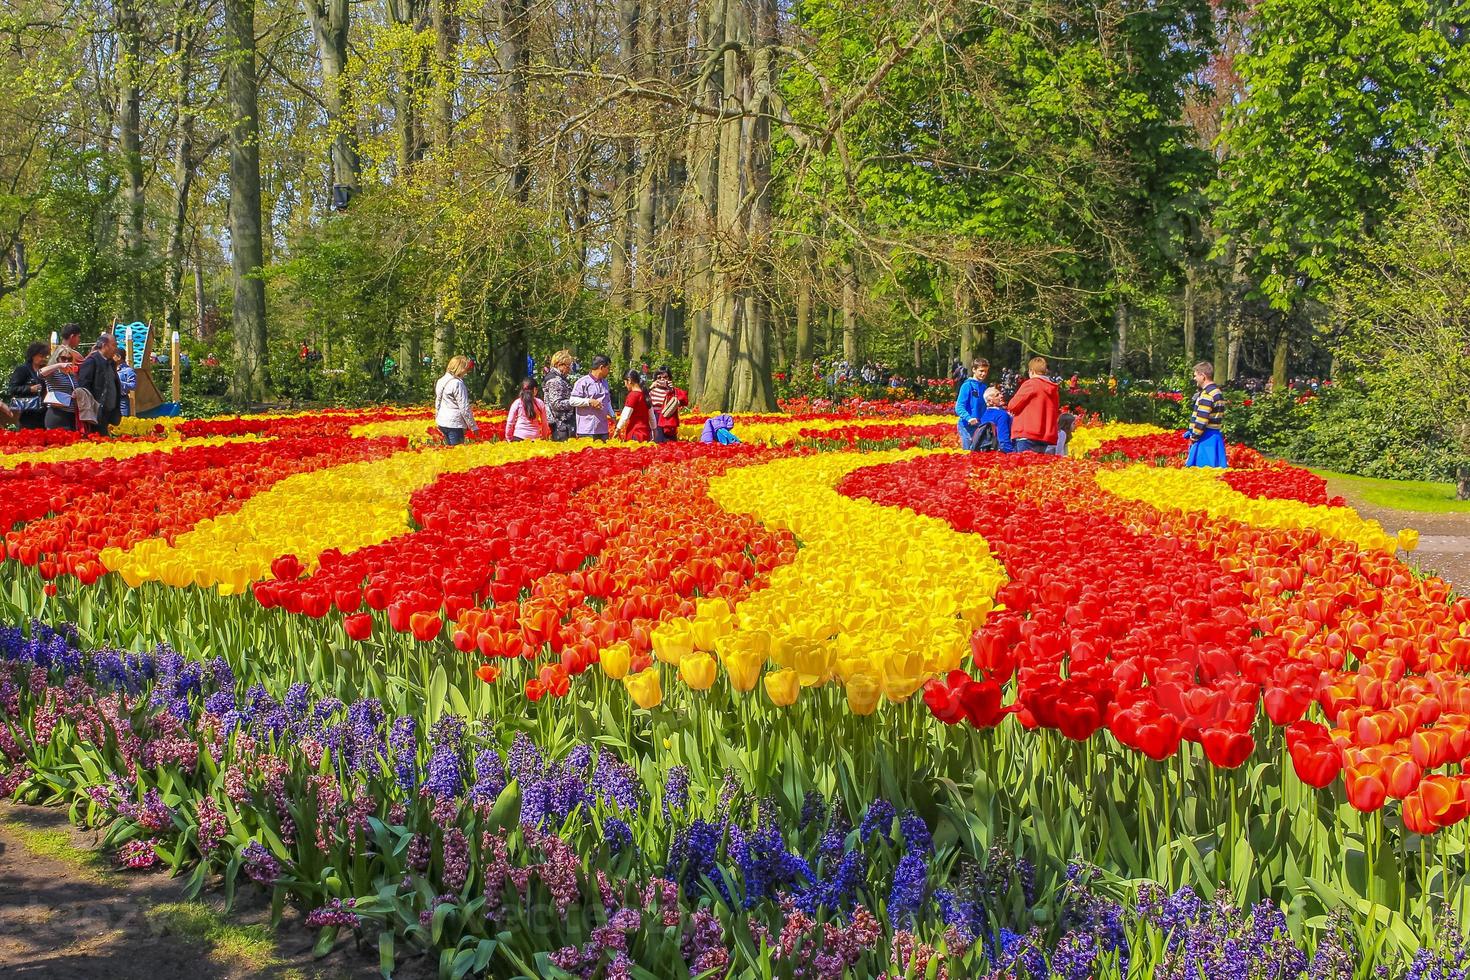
(1278, 482)
(1106, 624)
(115, 504)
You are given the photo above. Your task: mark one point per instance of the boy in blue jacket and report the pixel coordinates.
(969, 405)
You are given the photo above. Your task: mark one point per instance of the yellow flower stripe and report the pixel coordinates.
(780, 433)
(1085, 440)
(1201, 489)
(345, 507)
(115, 450)
(878, 599)
(416, 427)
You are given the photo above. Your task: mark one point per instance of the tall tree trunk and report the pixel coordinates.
(246, 255)
(728, 308)
(760, 396)
(129, 68)
(446, 58)
(1189, 303)
(804, 345)
(1120, 337)
(849, 313)
(413, 79)
(203, 329)
(331, 25)
(185, 34)
(1280, 353)
(704, 159)
(514, 57)
(965, 313)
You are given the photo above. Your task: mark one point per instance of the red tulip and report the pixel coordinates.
(1365, 786)
(425, 626)
(359, 627)
(1226, 749)
(487, 673)
(1316, 763)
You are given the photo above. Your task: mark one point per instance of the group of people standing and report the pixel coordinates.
(61, 388)
(1032, 419)
(561, 408)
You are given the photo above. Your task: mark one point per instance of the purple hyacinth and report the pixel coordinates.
(906, 895)
(878, 819)
(456, 851)
(916, 836)
(403, 749)
(489, 779)
(676, 790)
(445, 778)
(337, 913)
(618, 834)
(260, 865)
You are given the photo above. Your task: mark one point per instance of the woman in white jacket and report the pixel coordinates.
(453, 412)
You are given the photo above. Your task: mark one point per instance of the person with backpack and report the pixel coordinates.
(969, 404)
(1035, 407)
(993, 434)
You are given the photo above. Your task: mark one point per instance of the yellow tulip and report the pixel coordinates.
(1408, 539)
(616, 659)
(743, 669)
(644, 688)
(782, 687)
(672, 641)
(863, 692)
(703, 633)
(698, 671)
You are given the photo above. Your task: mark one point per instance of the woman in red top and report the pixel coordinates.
(634, 424)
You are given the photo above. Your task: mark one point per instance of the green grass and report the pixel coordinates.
(1410, 495)
(57, 845)
(226, 942)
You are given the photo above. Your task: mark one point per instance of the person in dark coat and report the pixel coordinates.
(98, 375)
(26, 388)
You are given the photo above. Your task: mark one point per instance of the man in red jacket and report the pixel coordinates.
(1035, 406)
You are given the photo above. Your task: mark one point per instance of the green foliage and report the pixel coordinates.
(1341, 96)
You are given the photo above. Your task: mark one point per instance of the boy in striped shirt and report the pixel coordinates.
(1206, 442)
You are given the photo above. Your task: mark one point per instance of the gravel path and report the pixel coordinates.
(1444, 539)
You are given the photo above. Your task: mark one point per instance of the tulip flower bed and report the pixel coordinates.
(840, 701)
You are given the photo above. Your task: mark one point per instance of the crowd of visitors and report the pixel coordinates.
(560, 408)
(60, 387)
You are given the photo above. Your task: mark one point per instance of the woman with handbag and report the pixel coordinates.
(59, 377)
(26, 389)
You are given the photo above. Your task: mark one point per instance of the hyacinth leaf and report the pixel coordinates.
(507, 806)
(324, 942)
(438, 690)
(385, 954)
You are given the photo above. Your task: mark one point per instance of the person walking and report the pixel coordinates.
(1206, 440)
(592, 400)
(26, 389)
(666, 402)
(558, 391)
(453, 412)
(527, 417)
(634, 424)
(1035, 408)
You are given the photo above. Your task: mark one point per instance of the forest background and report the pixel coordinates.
(740, 187)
